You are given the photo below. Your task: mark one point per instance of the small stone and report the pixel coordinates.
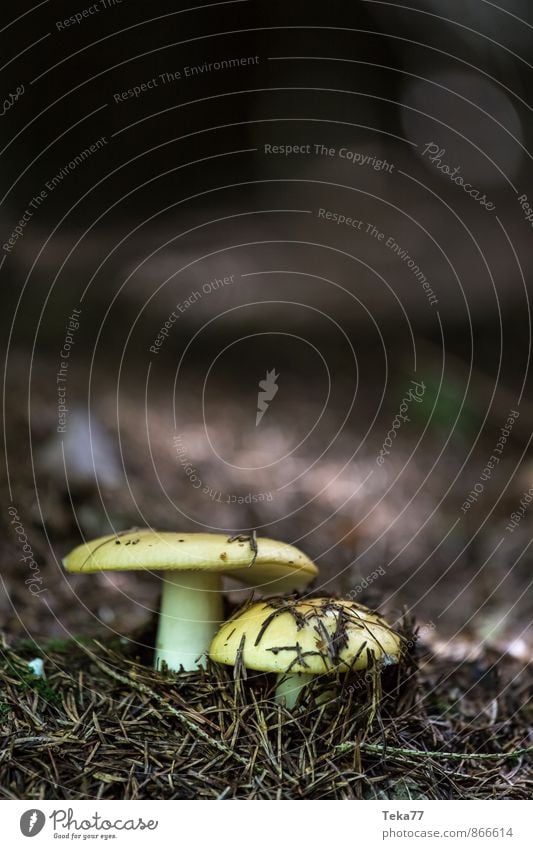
(37, 667)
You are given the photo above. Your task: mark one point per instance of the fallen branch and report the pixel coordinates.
(380, 748)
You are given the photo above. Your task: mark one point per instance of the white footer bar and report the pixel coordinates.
(267, 824)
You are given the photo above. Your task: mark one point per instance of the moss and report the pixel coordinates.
(33, 683)
(28, 682)
(57, 645)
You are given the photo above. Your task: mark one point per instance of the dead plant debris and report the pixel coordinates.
(104, 725)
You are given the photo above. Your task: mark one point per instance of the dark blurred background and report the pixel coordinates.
(339, 192)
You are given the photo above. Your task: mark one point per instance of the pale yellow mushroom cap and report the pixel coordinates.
(274, 564)
(314, 635)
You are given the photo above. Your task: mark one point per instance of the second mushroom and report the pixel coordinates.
(300, 639)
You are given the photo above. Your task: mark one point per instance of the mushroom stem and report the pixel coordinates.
(191, 611)
(290, 685)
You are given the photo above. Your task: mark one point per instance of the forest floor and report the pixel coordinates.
(104, 725)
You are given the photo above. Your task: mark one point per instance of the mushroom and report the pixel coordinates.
(301, 638)
(191, 604)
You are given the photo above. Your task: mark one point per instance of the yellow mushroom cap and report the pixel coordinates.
(314, 635)
(273, 562)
